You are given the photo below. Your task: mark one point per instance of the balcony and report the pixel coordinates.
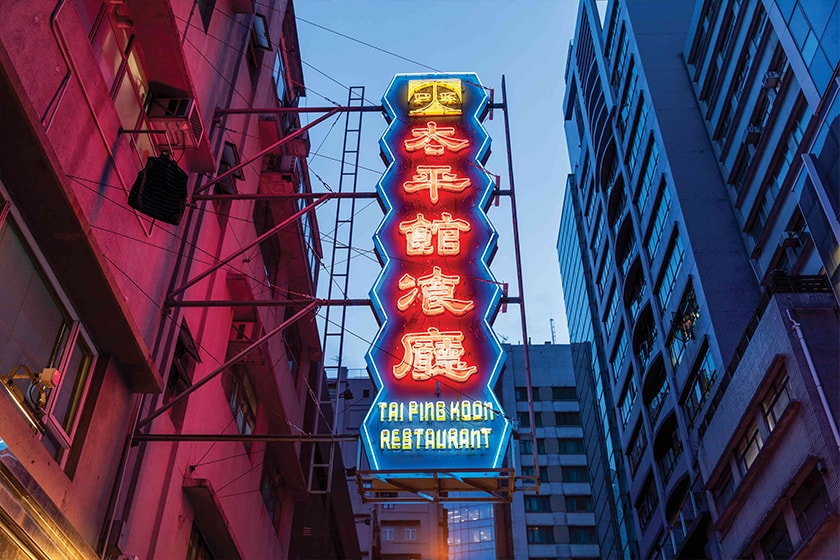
(655, 391)
(667, 448)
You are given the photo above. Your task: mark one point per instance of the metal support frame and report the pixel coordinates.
(438, 483)
(183, 395)
(248, 245)
(520, 287)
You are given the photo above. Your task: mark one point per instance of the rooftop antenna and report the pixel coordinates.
(553, 333)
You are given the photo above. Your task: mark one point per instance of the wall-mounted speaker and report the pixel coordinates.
(160, 190)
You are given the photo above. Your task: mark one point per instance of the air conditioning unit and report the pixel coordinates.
(180, 119)
(244, 331)
(770, 80)
(791, 239)
(752, 134)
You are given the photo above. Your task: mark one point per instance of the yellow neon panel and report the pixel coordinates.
(434, 97)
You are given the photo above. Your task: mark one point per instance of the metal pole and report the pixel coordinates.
(265, 303)
(250, 244)
(282, 110)
(520, 286)
(281, 438)
(269, 149)
(224, 366)
(285, 196)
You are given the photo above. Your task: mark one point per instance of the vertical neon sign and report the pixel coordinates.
(435, 359)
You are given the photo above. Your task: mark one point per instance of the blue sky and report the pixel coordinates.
(527, 41)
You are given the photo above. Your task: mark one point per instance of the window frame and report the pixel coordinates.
(53, 429)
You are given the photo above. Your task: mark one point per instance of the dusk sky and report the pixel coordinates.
(527, 42)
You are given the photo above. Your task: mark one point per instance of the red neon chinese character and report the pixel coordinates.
(437, 292)
(434, 140)
(432, 353)
(418, 236)
(449, 231)
(434, 178)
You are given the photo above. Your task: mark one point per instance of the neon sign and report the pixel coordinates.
(435, 358)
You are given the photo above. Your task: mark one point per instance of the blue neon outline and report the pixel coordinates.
(495, 297)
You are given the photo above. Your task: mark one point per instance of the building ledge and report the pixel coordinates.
(210, 517)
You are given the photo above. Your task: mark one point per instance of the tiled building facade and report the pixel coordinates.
(94, 333)
(558, 521)
(704, 206)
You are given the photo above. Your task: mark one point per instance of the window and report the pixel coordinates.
(271, 485)
(529, 471)
(541, 446)
(627, 96)
(723, 490)
(410, 533)
(229, 160)
(570, 446)
(810, 505)
(620, 56)
(259, 43)
(521, 393)
(242, 400)
(205, 8)
(279, 76)
(526, 446)
(628, 398)
(676, 348)
(776, 402)
(748, 448)
(575, 474)
(524, 419)
(648, 501)
(579, 503)
(775, 544)
(618, 354)
(39, 330)
(567, 418)
(583, 535)
(540, 534)
(537, 504)
(670, 270)
(197, 547)
(657, 220)
(637, 448)
(563, 393)
(611, 310)
(184, 360)
(649, 169)
(604, 271)
(118, 53)
(639, 128)
(700, 385)
(387, 533)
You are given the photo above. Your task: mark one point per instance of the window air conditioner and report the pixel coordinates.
(791, 239)
(770, 80)
(180, 119)
(751, 134)
(244, 331)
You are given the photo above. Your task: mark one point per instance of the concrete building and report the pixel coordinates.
(616, 532)
(107, 315)
(701, 206)
(557, 521)
(387, 530)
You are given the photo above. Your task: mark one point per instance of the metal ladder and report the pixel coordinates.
(339, 275)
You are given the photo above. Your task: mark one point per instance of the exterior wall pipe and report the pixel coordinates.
(58, 96)
(820, 391)
(517, 254)
(73, 70)
(116, 489)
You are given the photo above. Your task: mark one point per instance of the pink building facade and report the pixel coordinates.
(97, 328)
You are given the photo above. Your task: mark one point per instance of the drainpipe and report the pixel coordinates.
(58, 96)
(831, 421)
